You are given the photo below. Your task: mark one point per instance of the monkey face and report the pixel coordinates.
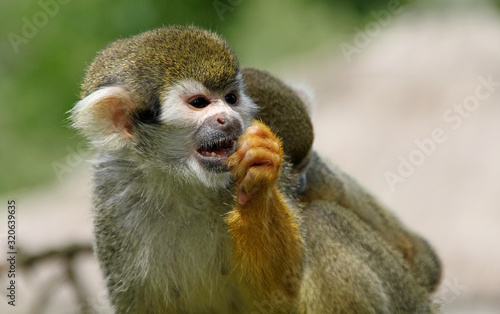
(210, 122)
(190, 135)
(170, 99)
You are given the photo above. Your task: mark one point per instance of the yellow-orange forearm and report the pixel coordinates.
(267, 244)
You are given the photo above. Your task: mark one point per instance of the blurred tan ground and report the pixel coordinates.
(369, 112)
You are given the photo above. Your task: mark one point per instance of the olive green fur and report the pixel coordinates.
(288, 119)
(153, 61)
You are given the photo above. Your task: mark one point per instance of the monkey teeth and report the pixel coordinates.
(221, 149)
(209, 154)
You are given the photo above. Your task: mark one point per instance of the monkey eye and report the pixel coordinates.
(199, 102)
(231, 98)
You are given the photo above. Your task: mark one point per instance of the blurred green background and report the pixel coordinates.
(45, 46)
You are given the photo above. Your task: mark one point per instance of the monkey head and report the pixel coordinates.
(171, 99)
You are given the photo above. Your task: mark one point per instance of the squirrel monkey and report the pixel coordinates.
(200, 208)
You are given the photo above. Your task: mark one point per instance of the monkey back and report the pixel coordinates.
(284, 112)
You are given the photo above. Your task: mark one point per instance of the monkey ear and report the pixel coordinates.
(105, 117)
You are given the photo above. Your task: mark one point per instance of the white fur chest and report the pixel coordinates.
(184, 255)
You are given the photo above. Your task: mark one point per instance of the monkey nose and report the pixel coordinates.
(224, 123)
(221, 120)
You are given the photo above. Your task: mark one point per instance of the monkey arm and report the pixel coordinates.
(267, 243)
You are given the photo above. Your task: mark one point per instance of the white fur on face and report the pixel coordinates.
(182, 120)
(176, 109)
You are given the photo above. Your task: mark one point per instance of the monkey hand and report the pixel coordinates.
(256, 164)
(265, 232)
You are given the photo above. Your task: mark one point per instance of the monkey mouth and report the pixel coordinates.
(213, 154)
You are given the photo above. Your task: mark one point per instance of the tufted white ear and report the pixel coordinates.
(105, 117)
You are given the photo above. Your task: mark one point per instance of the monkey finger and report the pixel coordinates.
(257, 179)
(233, 161)
(251, 190)
(256, 141)
(258, 156)
(259, 129)
(261, 160)
(253, 150)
